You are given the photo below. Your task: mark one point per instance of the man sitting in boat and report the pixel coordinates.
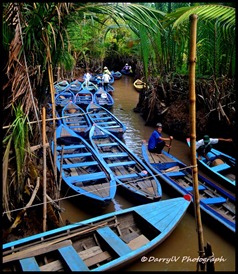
(127, 68)
(156, 142)
(204, 146)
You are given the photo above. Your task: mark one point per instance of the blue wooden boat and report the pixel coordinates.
(215, 202)
(82, 170)
(97, 79)
(116, 74)
(104, 243)
(76, 119)
(83, 98)
(91, 86)
(103, 98)
(127, 72)
(75, 86)
(222, 167)
(61, 86)
(106, 119)
(110, 89)
(64, 97)
(133, 177)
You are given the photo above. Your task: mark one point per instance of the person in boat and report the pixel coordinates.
(87, 77)
(127, 68)
(106, 71)
(156, 142)
(105, 80)
(204, 146)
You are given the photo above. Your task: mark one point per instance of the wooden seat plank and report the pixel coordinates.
(29, 264)
(72, 259)
(114, 241)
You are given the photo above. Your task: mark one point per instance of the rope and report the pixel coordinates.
(57, 118)
(72, 196)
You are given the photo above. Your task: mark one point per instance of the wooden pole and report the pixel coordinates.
(52, 92)
(192, 111)
(44, 169)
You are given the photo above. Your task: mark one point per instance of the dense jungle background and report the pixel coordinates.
(44, 43)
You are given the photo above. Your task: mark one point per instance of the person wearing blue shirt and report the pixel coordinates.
(156, 142)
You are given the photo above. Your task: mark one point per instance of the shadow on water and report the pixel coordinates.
(179, 252)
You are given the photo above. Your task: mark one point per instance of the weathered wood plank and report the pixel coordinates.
(35, 250)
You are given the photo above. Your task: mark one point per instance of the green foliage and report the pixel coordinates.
(16, 139)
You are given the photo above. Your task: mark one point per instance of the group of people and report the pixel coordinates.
(156, 143)
(105, 79)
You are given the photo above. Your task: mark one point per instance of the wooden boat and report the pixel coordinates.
(64, 97)
(222, 167)
(91, 86)
(76, 119)
(103, 98)
(106, 119)
(61, 86)
(116, 74)
(217, 203)
(110, 89)
(104, 243)
(127, 72)
(97, 79)
(133, 176)
(139, 85)
(75, 86)
(82, 170)
(83, 98)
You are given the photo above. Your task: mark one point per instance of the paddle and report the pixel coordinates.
(170, 142)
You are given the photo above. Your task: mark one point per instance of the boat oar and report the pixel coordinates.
(170, 143)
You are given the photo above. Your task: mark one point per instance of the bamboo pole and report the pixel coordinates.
(192, 116)
(52, 92)
(44, 169)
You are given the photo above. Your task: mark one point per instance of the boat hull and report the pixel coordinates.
(83, 172)
(133, 177)
(222, 167)
(215, 202)
(103, 243)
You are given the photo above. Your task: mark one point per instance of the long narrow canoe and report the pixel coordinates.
(133, 176)
(106, 119)
(83, 98)
(76, 119)
(106, 242)
(215, 202)
(63, 98)
(222, 167)
(91, 86)
(103, 98)
(75, 86)
(61, 86)
(83, 171)
(116, 74)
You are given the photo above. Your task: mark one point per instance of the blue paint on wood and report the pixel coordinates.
(200, 187)
(114, 241)
(29, 264)
(72, 259)
(214, 200)
(220, 167)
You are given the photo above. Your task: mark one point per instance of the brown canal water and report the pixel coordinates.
(179, 252)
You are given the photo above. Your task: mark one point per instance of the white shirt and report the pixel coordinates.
(106, 78)
(213, 141)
